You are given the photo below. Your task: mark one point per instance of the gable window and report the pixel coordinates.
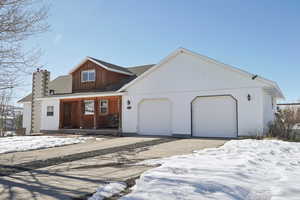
(88, 75)
(89, 107)
(50, 110)
(103, 106)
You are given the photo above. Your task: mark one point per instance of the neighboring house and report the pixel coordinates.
(288, 105)
(184, 94)
(9, 117)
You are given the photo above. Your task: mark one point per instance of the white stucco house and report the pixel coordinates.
(185, 94)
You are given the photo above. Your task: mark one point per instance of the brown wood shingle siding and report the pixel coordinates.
(72, 112)
(103, 78)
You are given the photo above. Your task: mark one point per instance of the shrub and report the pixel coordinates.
(285, 120)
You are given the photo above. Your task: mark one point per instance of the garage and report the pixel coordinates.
(154, 117)
(214, 116)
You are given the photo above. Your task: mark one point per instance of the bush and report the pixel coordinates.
(282, 126)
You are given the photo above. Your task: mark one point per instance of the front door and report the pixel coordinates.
(67, 115)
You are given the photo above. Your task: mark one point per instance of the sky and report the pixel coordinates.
(259, 36)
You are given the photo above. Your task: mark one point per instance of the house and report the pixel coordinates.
(10, 117)
(185, 94)
(288, 106)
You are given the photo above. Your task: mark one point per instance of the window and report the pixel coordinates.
(103, 106)
(88, 76)
(50, 110)
(89, 107)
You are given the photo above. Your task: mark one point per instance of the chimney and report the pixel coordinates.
(40, 82)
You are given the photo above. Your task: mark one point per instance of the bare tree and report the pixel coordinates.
(5, 98)
(19, 21)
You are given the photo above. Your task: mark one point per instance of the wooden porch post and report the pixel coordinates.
(120, 114)
(80, 113)
(95, 113)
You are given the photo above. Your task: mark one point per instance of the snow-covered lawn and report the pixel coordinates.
(108, 190)
(25, 143)
(240, 170)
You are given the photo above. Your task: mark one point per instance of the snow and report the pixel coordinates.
(239, 170)
(25, 143)
(108, 190)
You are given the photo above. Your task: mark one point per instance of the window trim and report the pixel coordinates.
(88, 71)
(107, 107)
(50, 114)
(84, 102)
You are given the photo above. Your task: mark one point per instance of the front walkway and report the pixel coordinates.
(80, 177)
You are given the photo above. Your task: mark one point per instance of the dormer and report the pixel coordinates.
(96, 75)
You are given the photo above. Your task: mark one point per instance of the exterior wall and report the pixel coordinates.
(185, 77)
(103, 78)
(54, 122)
(269, 107)
(79, 119)
(27, 117)
(250, 119)
(49, 122)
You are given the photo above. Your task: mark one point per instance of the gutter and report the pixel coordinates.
(81, 96)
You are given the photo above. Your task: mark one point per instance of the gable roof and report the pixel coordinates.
(105, 65)
(181, 50)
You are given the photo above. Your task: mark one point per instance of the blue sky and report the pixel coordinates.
(262, 37)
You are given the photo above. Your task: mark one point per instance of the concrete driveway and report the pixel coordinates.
(74, 171)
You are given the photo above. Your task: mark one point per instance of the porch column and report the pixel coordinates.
(95, 113)
(80, 104)
(120, 114)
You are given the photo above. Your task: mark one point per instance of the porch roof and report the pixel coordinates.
(82, 95)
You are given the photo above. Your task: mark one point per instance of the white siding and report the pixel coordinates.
(27, 117)
(50, 122)
(269, 107)
(250, 119)
(185, 77)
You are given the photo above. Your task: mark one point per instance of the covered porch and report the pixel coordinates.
(103, 112)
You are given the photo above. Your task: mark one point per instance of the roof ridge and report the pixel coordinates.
(109, 65)
(96, 59)
(140, 66)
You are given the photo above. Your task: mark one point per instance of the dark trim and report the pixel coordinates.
(254, 77)
(222, 95)
(288, 104)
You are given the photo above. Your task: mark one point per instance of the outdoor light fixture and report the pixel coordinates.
(249, 97)
(254, 77)
(128, 104)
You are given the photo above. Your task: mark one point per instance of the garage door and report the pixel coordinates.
(214, 116)
(154, 117)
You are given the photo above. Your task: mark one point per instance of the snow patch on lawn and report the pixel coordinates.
(239, 170)
(108, 190)
(25, 143)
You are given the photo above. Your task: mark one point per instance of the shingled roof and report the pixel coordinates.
(63, 84)
(110, 65)
(138, 70)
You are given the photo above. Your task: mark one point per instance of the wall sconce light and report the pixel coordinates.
(128, 104)
(249, 97)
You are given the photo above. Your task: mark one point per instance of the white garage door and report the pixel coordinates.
(214, 116)
(155, 117)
